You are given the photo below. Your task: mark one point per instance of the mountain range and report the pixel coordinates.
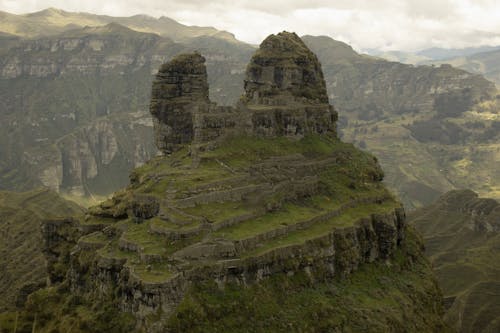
(72, 120)
(251, 182)
(481, 60)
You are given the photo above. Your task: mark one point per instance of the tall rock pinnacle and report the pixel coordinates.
(178, 84)
(284, 67)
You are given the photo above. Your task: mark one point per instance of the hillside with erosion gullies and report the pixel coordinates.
(74, 94)
(462, 237)
(22, 262)
(255, 218)
(433, 128)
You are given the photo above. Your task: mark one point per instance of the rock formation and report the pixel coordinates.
(244, 195)
(284, 66)
(285, 95)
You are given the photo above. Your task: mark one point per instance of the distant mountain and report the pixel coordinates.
(430, 55)
(437, 53)
(485, 63)
(416, 120)
(21, 259)
(462, 238)
(53, 21)
(399, 56)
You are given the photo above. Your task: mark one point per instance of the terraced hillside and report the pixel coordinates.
(250, 211)
(264, 196)
(461, 233)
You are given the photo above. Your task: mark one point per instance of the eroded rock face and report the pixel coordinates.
(285, 95)
(284, 66)
(180, 86)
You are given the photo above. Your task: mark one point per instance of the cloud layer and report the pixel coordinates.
(384, 24)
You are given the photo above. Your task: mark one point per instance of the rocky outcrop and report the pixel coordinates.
(179, 91)
(483, 213)
(285, 95)
(284, 67)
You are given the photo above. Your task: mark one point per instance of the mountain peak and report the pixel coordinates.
(322, 44)
(48, 12)
(284, 64)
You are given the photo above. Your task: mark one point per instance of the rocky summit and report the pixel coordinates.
(285, 95)
(256, 218)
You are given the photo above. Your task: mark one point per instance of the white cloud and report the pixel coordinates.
(387, 24)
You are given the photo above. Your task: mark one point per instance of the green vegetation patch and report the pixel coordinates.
(139, 234)
(54, 310)
(243, 151)
(376, 298)
(289, 214)
(220, 211)
(347, 218)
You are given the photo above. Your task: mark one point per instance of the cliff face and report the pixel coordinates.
(461, 233)
(260, 195)
(74, 111)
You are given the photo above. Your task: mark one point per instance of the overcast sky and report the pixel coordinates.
(384, 24)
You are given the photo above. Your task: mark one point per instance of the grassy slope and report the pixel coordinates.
(466, 263)
(21, 260)
(377, 298)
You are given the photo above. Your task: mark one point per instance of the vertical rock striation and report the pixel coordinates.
(179, 91)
